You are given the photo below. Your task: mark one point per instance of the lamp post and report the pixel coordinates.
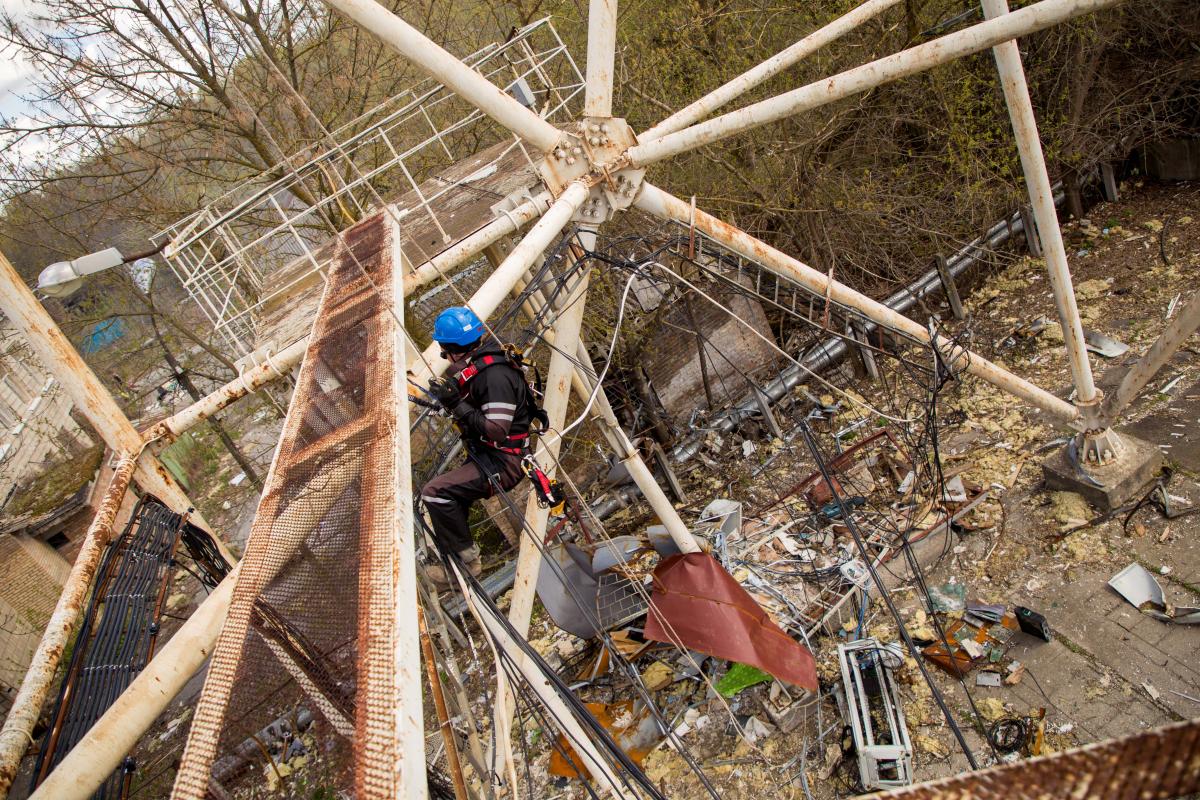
(63, 278)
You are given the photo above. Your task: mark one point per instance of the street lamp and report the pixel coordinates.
(64, 278)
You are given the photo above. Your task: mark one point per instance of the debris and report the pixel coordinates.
(1090, 290)
(236, 480)
(740, 677)
(1033, 623)
(970, 644)
(631, 725)
(1016, 671)
(931, 745)
(755, 729)
(1166, 389)
(1140, 588)
(1185, 696)
(1150, 690)
(876, 717)
(1069, 509)
(949, 597)
(1103, 345)
(658, 676)
(988, 679)
(991, 708)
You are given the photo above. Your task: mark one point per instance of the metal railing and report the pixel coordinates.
(265, 236)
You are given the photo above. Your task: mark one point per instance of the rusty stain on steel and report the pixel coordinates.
(17, 733)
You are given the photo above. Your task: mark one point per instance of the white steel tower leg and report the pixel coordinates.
(666, 206)
(1100, 446)
(529, 554)
(925, 56)
(766, 70)
(601, 51)
(449, 70)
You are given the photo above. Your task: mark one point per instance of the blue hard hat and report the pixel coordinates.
(458, 325)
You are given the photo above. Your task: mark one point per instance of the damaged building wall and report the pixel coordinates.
(32, 575)
(731, 349)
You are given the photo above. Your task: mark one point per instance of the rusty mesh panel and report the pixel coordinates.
(1146, 766)
(303, 664)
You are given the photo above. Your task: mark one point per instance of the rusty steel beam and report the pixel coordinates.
(1155, 765)
(17, 734)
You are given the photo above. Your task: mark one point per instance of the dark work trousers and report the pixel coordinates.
(449, 496)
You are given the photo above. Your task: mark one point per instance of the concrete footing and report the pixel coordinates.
(1122, 480)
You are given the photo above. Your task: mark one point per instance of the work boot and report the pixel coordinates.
(470, 560)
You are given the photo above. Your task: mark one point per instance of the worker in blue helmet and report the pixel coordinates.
(486, 394)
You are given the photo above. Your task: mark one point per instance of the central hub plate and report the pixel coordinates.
(592, 150)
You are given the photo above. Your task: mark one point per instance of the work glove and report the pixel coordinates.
(445, 391)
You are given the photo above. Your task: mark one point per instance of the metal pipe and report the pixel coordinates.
(1033, 164)
(87, 393)
(970, 40)
(116, 733)
(1181, 326)
(661, 204)
(489, 296)
(766, 70)
(409, 731)
(277, 365)
(17, 733)
(601, 49)
(443, 715)
(450, 71)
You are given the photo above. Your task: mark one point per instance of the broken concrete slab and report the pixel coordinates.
(1120, 481)
(1174, 430)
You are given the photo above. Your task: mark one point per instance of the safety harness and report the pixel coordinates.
(549, 494)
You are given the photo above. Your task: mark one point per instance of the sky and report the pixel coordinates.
(14, 72)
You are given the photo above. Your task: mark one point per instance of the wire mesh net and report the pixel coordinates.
(303, 664)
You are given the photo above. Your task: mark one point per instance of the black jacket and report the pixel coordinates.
(496, 406)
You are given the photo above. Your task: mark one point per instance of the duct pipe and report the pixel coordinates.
(17, 733)
(955, 45)
(279, 364)
(601, 48)
(1033, 164)
(88, 394)
(1181, 326)
(661, 204)
(766, 70)
(116, 733)
(488, 297)
(447, 69)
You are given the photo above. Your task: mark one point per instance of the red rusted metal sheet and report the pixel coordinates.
(698, 605)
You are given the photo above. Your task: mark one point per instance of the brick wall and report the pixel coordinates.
(31, 579)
